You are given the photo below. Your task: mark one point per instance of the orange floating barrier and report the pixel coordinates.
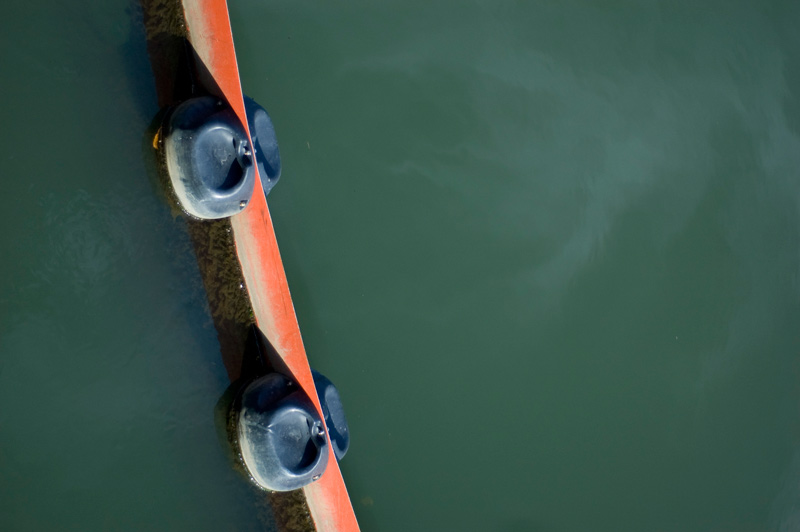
(208, 31)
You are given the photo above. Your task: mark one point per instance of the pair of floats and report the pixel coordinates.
(219, 151)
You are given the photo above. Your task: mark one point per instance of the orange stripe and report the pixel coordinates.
(209, 29)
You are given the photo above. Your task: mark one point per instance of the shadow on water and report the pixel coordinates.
(176, 68)
(246, 353)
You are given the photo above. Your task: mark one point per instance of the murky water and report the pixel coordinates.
(548, 251)
(109, 363)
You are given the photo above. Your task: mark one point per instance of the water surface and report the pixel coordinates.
(549, 253)
(109, 363)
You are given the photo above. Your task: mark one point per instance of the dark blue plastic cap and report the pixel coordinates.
(265, 144)
(333, 412)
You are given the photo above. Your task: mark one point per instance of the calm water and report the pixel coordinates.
(109, 363)
(548, 251)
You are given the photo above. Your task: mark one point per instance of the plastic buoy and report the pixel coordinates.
(333, 412)
(265, 144)
(209, 160)
(281, 435)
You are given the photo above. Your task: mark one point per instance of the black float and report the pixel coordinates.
(281, 436)
(209, 160)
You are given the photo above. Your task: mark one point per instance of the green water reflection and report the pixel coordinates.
(549, 253)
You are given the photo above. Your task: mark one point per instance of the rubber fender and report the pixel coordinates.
(281, 434)
(333, 412)
(209, 160)
(265, 144)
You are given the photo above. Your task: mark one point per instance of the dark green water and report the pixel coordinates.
(109, 362)
(548, 251)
